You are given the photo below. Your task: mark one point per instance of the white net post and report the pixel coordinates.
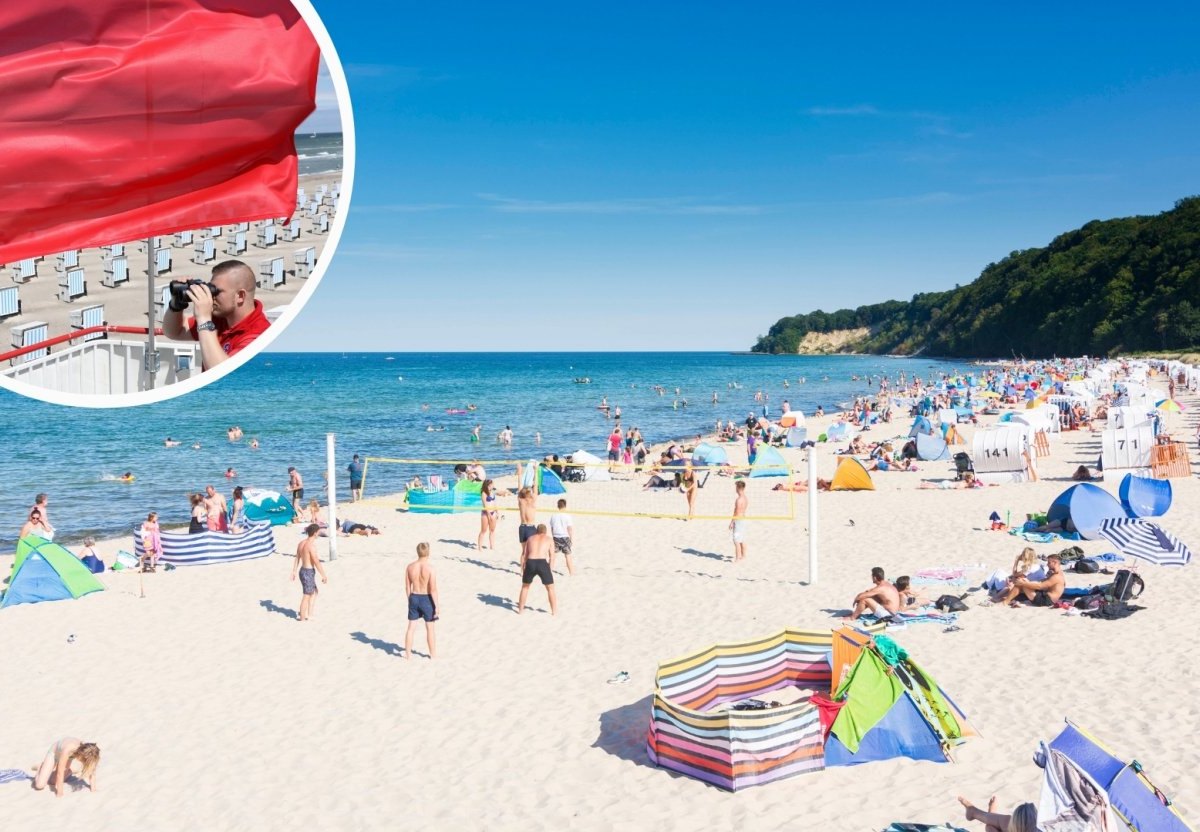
(331, 479)
(812, 515)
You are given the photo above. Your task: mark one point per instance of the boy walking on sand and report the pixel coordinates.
(737, 526)
(562, 529)
(420, 585)
(308, 564)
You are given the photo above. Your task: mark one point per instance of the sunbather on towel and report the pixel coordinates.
(881, 598)
(910, 597)
(1023, 818)
(1044, 593)
(802, 485)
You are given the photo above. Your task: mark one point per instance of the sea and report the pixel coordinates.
(395, 405)
(318, 152)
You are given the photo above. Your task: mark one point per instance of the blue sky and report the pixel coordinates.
(612, 176)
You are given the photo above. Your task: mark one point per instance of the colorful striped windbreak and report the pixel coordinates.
(204, 548)
(735, 749)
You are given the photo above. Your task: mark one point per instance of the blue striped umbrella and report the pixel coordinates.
(1139, 538)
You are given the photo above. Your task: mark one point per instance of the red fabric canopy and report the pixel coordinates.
(123, 119)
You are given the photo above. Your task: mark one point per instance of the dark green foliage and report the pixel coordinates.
(1112, 286)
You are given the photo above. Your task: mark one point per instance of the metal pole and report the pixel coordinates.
(812, 515)
(150, 359)
(331, 480)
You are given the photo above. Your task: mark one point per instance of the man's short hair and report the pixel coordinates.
(740, 485)
(422, 550)
(562, 503)
(1055, 557)
(541, 529)
(877, 573)
(311, 529)
(228, 266)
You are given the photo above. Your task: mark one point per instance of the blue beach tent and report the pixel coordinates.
(1145, 497)
(1081, 508)
(931, 448)
(46, 571)
(709, 454)
(769, 463)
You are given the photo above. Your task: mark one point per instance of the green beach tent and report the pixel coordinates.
(45, 571)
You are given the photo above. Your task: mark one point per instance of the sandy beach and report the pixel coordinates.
(125, 304)
(215, 709)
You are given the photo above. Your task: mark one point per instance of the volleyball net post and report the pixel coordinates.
(812, 515)
(331, 482)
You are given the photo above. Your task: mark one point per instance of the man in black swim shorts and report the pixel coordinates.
(527, 505)
(536, 561)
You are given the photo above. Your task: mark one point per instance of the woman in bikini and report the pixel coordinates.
(59, 761)
(487, 517)
(688, 486)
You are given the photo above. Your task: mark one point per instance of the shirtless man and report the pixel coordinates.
(420, 585)
(308, 565)
(737, 526)
(1045, 593)
(882, 598)
(527, 504)
(217, 508)
(537, 558)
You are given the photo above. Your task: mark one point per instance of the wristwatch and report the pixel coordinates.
(207, 326)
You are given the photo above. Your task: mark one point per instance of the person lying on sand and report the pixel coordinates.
(881, 598)
(968, 481)
(1044, 593)
(802, 485)
(1022, 819)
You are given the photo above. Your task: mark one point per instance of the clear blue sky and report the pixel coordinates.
(679, 176)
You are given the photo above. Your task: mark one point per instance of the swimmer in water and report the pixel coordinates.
(196, 446)
(230, 473)
(254, 443)
(171, 443)
(127, 477)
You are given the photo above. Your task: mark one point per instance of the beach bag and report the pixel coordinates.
(950, 603)
(1127, 586)
(1070, 553)
(126, 560)
(1087, 566)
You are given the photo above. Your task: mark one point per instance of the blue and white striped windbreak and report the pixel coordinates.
(1142, 539)
(203, 548)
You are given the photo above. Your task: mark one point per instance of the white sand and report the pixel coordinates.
(125, 305)
(215, 710)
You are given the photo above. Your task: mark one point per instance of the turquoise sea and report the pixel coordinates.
(373, 403)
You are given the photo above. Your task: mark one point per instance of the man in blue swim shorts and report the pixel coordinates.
(420, 585)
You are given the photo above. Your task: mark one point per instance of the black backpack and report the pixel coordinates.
(1127, 586)
(950, 603)
(1086, 565)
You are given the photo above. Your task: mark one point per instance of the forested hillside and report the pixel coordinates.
(1111, 286)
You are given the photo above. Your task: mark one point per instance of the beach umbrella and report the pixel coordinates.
(128, 120)
(1142, 539)
(1170, 406)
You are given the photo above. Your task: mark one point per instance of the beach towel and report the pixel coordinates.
(13, 775)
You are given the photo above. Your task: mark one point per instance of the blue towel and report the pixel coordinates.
(1108, 557)
(12, 775)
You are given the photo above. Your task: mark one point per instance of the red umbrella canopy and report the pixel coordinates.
(125, 119)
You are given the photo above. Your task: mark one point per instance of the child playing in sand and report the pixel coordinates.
(420, 585)
(59, 761)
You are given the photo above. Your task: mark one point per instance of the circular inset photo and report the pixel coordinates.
(178, 175)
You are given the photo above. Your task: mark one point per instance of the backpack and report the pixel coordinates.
(1070, 553)
(1087, 566)
(1127, 586)
(950, 603)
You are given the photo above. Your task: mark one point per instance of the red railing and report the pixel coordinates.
(71, 336)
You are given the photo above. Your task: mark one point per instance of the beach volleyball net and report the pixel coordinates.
(452, 486)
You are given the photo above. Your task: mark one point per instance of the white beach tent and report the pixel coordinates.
(595, 469)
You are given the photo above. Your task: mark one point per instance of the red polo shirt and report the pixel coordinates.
(236, 338)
